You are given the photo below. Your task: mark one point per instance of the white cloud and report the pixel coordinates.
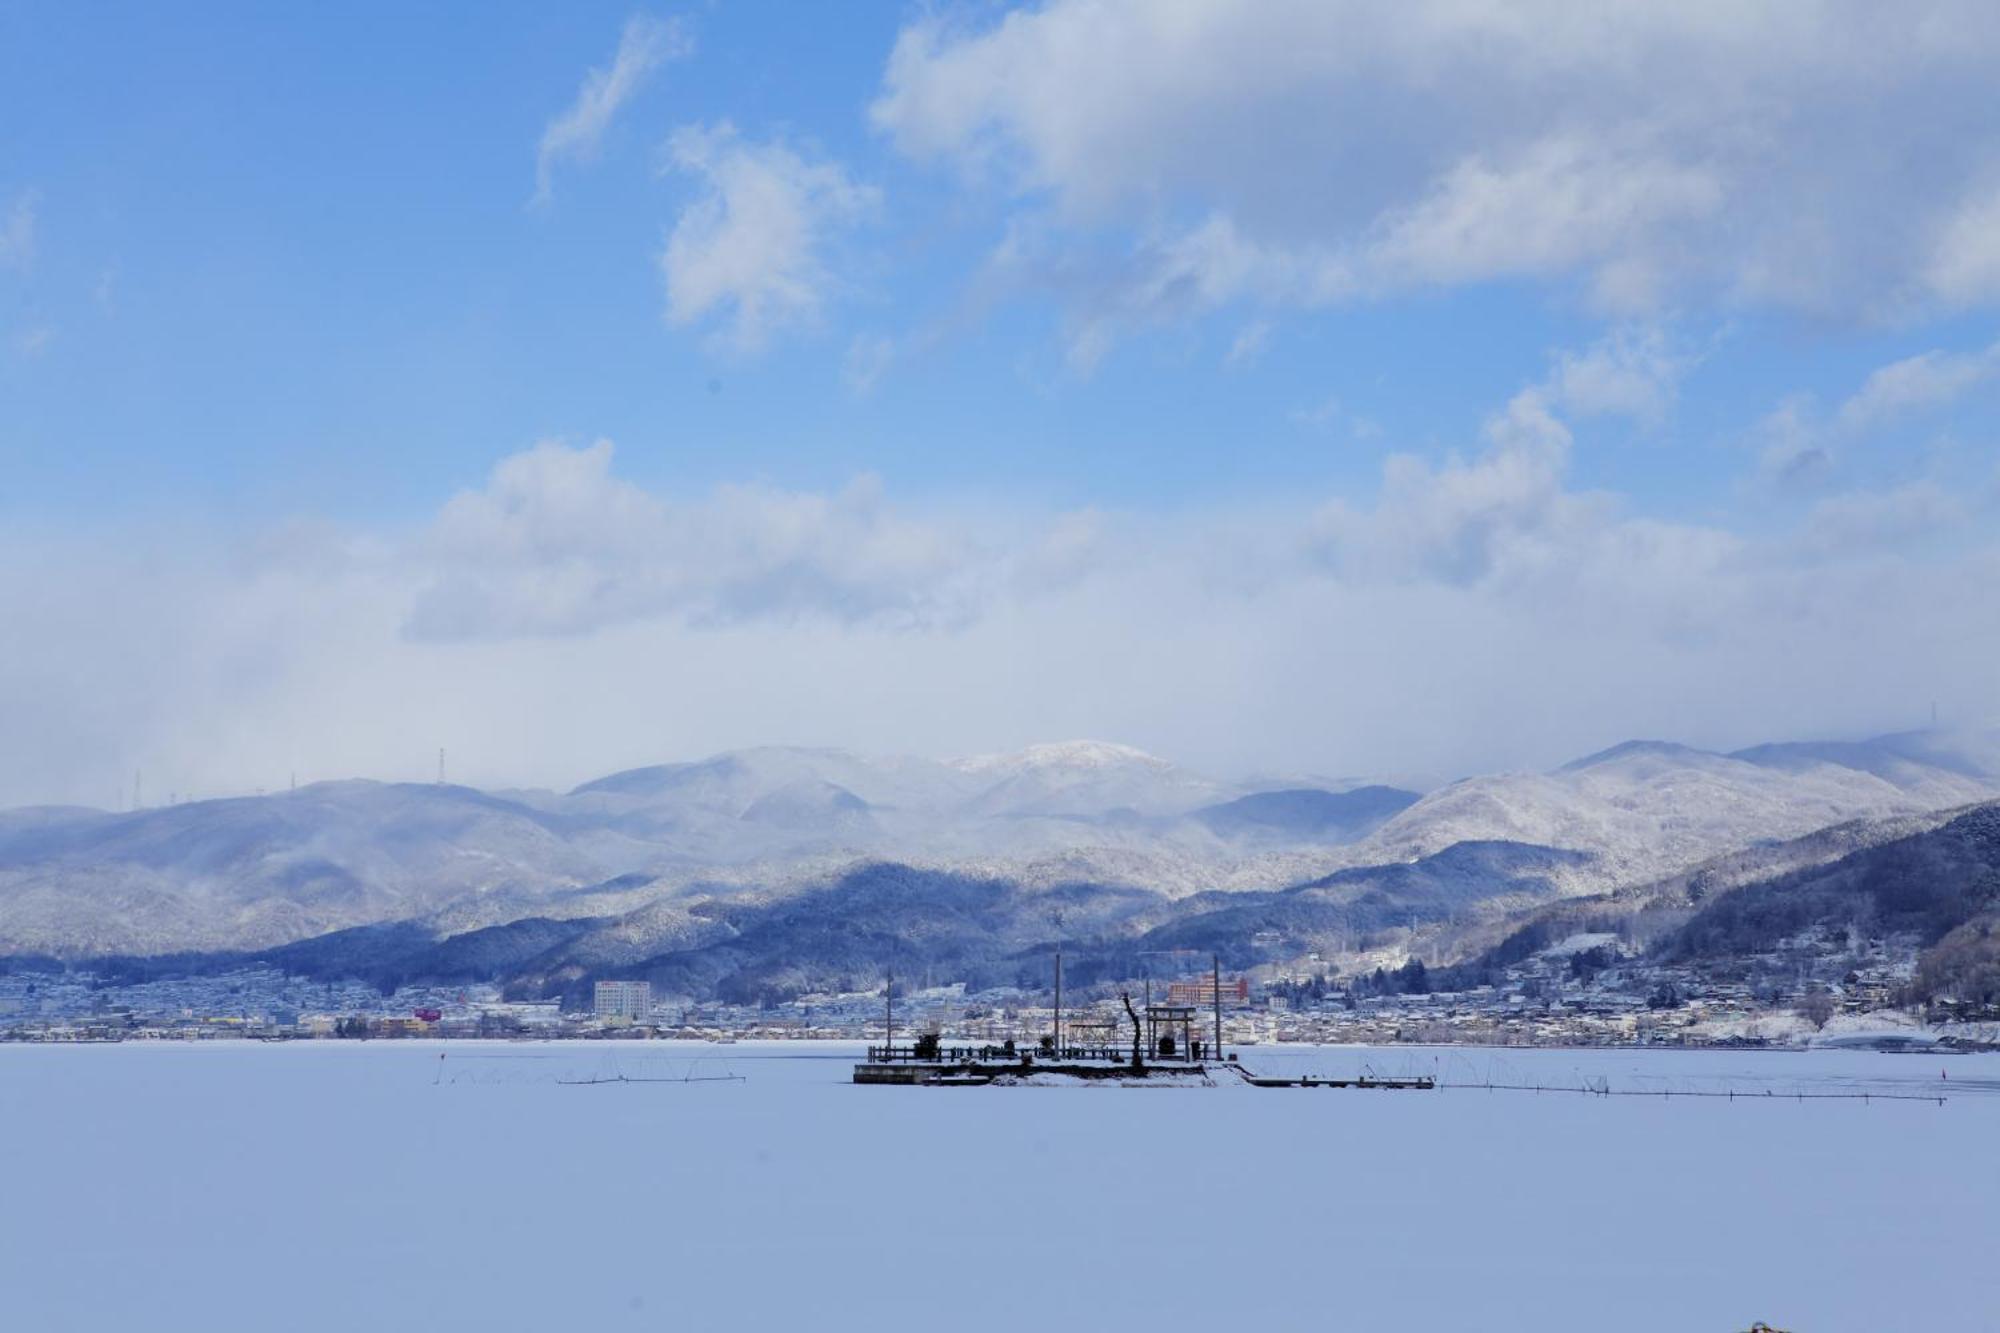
(1863, 522)
(1964, 266)
(1560, 204)
(1914, 384)
(1461, 521)
(1249, 343)
(1173, 275)
(1502, 514)
(1803, 154)
(1331, 415)
(17, 233)
(576, 134)
(1803, 447)
(1472, 614)
(554, 544)
(560, 621)
(1634, 372)
(1326, 412)
(1069, 549)
(752, 245)
(1792, 452)
(869, 357)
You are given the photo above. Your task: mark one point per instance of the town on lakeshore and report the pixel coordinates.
(1578, 991)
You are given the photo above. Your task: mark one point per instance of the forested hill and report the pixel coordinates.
(1941, 886)
(1931, 881)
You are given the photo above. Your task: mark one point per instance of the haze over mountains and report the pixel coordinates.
(655, 860)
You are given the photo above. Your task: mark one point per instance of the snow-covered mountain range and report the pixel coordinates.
(258, 872)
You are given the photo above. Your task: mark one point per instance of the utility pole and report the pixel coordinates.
(888, 1013)
(1059, 1002)
(1056, 919)
(1151, 1039)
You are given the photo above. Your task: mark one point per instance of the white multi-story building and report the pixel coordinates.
(629, 1000)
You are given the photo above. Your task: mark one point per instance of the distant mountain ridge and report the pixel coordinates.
(1308, 812)
(765, 825)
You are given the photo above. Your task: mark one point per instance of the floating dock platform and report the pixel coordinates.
(939, 1066)
(1164, 1051)
(930, 1064)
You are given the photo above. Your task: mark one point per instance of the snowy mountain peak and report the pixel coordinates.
(1671, 751)
(1061, 756)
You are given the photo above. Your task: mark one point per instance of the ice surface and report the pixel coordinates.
(368, 1186)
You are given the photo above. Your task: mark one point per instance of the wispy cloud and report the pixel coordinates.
(1249, 343)
(1803, 445)
(1916, 384)
(17, 233)
(1330, 414)
(751, 248)
(576, 134)
(869, 357)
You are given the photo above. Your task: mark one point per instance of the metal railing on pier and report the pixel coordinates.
(1003, 1054)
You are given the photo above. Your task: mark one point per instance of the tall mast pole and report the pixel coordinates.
(889, 1013)
(1216, 960)
(1059, 1001)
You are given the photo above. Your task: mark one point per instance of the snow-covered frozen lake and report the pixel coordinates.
(346, 1186)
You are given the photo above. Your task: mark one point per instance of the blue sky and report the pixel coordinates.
(974, 355)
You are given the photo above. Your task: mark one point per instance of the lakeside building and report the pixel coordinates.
(628, 1001)
(1201, 991)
